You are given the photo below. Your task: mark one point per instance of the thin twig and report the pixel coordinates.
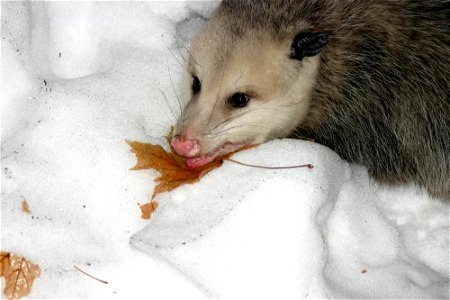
(309, 166)
(79, 270)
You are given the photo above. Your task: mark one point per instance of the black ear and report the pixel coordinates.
(308, 43)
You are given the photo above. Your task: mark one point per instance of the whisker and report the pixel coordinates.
(193, 57)
(223, 132)
(295, 103)
(226, 121)
(182, 56)
(239, 78)
(168, 104)
(296, 134)
(217, 98)
(175, 57)
(186, 60)
(174, 90)
(163, 124)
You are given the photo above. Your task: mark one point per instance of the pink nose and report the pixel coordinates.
(186, 147)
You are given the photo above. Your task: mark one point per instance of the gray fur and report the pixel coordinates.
(382, 96)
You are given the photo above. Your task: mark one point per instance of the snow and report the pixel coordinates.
(78, 78)
(242, 238)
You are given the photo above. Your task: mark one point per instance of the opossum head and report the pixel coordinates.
(245, 88)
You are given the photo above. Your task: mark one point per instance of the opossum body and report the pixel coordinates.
(369, 79)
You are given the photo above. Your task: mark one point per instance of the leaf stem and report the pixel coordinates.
(309, 166)
(79, 270)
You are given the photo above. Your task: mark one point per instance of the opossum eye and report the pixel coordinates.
(196, 85)
(239, 100)
(308, 43)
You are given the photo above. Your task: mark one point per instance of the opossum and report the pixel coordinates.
(368, 79)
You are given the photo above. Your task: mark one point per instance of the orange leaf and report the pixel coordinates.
(148, 209)
(19, 274)
(172, 168)
(25, 206)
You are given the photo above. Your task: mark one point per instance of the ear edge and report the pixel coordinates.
(308, 43)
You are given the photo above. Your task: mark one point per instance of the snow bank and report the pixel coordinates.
(323, 233)
(79, 78)
(65, 119)
(398, 236)
(251, 233)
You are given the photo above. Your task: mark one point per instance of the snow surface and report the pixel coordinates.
(78, 78)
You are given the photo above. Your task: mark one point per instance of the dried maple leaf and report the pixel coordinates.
(148, 209)
(25, 206)
(172, 168)
(19, 274)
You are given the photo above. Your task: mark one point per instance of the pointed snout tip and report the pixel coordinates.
(186, 147)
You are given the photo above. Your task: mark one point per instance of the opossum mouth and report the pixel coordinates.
(199, 161)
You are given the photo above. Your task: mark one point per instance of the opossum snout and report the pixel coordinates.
(186, 147)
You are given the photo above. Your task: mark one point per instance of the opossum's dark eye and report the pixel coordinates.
(308, 43)
(239, 100)
(196, 85)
